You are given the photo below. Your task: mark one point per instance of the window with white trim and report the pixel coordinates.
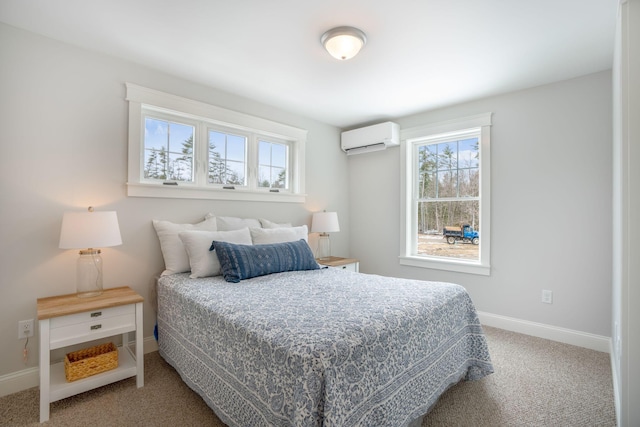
(272, 164)
(227, 158)
(182, 148)
(446, 190)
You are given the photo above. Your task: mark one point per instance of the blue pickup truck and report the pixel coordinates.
(466, 234)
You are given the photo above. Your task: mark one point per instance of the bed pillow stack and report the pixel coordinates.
(185, 247)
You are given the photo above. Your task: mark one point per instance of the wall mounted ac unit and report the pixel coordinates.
(371, 138)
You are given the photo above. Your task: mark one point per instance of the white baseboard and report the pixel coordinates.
(150, 345)
(30, 377)
(18, 381)
(554, 333)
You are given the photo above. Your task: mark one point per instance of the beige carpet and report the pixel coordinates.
(537, 383)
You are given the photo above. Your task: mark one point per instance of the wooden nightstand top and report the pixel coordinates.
(336, 261)
(70, 304)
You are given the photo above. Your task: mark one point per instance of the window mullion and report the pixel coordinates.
(252, 162)
(201, 154)
(289, 165)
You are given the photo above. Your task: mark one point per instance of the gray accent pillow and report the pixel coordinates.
(239, 262)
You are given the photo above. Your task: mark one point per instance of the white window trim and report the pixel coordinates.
(407, 239)
(140, 97)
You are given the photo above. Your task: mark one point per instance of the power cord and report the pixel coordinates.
(25, 352)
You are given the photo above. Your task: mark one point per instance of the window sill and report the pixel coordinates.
(176, 192)
(446, 264)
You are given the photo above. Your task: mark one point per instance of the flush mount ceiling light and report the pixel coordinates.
(343, 42)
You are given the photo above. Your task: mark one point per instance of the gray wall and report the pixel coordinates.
(63, 133)
(550, 205)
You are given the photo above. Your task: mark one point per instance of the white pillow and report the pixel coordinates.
(261, 236)
(205, 263)
(227, 223)
(175, 257)
(269, 224)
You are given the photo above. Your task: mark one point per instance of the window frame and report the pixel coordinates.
(142, 100)
(162, 116)
(288, 162)
(412, 137)
(205, 156)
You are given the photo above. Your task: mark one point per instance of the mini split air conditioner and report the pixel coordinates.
(371, 138)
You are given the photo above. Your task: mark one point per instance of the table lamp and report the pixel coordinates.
(324, 223)
(89, 230)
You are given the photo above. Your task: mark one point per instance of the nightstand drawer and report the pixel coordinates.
(92, 316)
(92, 330)
(348, 267)
(348, 264)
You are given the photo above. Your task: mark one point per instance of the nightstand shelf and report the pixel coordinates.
(349, 264)
(59, 388)
(68, 320)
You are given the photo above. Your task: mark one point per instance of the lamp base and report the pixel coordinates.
(89, 273)
(324, 247)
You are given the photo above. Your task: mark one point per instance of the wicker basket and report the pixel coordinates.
(90, 361)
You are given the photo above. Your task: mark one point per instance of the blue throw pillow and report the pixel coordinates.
(239, 262)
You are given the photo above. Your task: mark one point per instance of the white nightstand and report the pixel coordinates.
(67, 320)
(349, 264)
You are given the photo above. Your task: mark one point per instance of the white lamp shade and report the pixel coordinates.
(325, 222)
(89, 230)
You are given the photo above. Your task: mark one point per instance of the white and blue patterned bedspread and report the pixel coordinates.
(319, 348)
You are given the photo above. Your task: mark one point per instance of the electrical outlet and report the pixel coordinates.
(25, 329)
(547, 297)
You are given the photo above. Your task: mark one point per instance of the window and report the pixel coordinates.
(168, 150)
(186, 149)
(227, 158)
(272, 163)
(445, 221)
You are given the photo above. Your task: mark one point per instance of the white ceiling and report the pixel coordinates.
(420, 54)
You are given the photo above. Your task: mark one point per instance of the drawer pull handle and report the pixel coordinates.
(96, 327)
(96, 314)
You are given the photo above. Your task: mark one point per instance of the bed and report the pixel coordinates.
(319, 347)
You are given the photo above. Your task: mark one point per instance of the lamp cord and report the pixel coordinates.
(25, 352)
(95, 264)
